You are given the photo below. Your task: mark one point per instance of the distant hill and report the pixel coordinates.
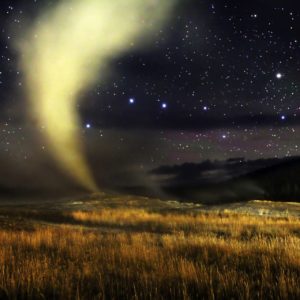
(279, 182)
(233, 180)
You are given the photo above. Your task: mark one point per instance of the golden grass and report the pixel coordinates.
(138, 254)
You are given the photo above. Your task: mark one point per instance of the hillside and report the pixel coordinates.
(276, 180)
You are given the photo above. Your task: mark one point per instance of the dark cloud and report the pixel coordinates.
(214, 171)
(150, 120)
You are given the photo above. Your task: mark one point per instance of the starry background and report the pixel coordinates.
(221, 80)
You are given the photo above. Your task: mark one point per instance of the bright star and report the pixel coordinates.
(131, 100)
(283, 118)
(164, 105)
(88, 126)
(278, 75)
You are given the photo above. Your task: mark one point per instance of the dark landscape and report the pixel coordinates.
(234, 180)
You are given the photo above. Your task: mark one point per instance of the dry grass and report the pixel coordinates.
(137, 254)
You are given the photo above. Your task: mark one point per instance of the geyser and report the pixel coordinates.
(65, 51)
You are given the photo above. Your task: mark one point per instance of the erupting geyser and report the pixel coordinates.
(65, 51)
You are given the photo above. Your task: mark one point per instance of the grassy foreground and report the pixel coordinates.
(119, 253)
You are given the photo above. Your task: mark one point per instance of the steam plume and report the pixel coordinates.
(66, 51)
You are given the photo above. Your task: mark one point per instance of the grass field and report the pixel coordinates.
(128, 252)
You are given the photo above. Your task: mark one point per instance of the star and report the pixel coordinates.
(164, 105)
(88, 126)
(131, 101)
(279, 75)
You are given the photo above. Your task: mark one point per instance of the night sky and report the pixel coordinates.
(220, 80)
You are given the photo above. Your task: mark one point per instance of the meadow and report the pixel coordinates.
(141, 253)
